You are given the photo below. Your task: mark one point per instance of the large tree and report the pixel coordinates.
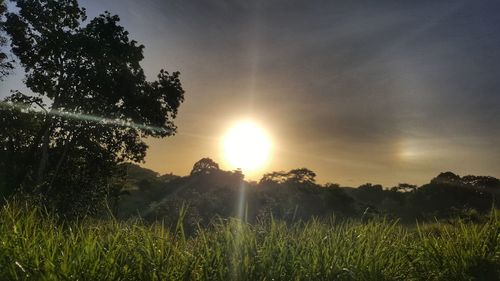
(98, 105)
(204, 166)
(5, 64)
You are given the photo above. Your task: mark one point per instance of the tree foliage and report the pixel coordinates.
(447, 178)
(295, 176)
(212, 193)
(302, 176)
(99, 107)
(5, 64)
(17, 135)
(204, 166)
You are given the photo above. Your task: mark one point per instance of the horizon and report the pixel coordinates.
(324, 182)
(384, 92)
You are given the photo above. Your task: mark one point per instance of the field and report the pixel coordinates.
(35, 246)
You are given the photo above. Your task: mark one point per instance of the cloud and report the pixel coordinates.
(349, 80)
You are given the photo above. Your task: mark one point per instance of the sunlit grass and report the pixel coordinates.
(35, 246)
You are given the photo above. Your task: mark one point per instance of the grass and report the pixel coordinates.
(34, 246)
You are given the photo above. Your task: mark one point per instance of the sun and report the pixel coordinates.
(246, 146)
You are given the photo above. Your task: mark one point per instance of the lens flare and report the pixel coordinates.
(84, 117)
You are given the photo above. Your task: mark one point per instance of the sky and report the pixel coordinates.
(357, 91)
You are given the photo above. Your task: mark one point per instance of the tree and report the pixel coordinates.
(100, 106)
(295, 176)
(405, 187)
(481, 181)
(302, 176)
(371, 187)
(331, 185)
(5, 65)
(279, 177)
(204, 166)
(447, 178)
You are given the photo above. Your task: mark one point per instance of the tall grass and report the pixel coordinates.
(35, 246)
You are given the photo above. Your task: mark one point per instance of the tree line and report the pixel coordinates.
(211, 193)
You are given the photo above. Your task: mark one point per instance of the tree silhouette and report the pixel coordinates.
(295, 176)
(100, 106)
(481, 181)
(331, 185)
(204, 166)
(279, 177)
(370, 186)
(447, 178)
(5, 65)
(302, 176)
(405, 187)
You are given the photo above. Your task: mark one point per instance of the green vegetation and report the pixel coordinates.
(37, 246)
(87, 106)
(295, 195)
(69, 143)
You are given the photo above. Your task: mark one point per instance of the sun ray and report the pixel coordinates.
(83, 117)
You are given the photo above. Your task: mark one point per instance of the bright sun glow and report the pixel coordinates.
(246, 146)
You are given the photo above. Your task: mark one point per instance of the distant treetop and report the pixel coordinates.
(204, 166)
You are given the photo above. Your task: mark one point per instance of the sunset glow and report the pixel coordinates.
(246, 146)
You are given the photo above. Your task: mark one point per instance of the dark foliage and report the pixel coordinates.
(5, 64)
(213, 193)
(98, 105)
(294, 195)
(204, 166)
